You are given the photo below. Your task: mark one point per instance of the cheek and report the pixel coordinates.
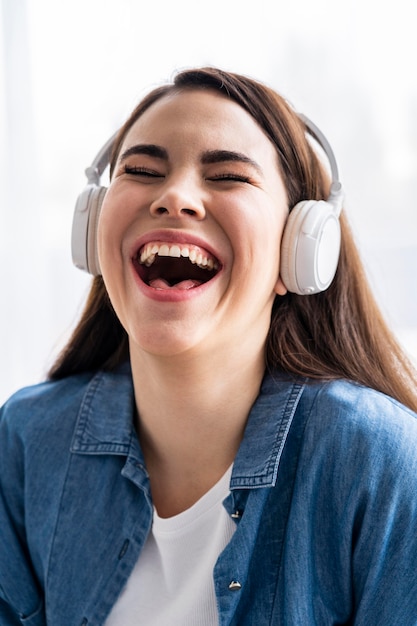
(261, 231)
(109, 237)
(109, 232)
(267, 238)
(111, 262)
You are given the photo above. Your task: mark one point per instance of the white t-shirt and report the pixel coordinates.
(172, 582)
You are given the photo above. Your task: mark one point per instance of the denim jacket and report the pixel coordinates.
(323, 493)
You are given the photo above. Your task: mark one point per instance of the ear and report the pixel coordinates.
(280, 289)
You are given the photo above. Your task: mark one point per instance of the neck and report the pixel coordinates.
(194, 393)
(192, 415)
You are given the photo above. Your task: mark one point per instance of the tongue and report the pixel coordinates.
(160, 283)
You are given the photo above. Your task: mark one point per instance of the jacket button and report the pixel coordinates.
(235, 585)
(236, 515)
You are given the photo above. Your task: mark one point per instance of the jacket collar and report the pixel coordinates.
(105, 418)
(257, 460)
(105, 424)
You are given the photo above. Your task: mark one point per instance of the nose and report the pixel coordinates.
(178, 198)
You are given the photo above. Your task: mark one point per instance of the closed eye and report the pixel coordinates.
(230, 177)
(141, 171)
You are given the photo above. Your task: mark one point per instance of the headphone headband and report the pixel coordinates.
(95, 171)
(336, 195)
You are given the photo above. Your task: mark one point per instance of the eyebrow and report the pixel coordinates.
(221, 156)
(149, 149)
(207, 158)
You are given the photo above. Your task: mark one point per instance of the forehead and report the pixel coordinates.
(196, 117)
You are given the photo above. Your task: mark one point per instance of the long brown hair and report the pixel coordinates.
(339, 333)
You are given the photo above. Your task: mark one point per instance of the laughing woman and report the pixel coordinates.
(229, 436)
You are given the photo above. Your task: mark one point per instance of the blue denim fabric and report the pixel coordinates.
(323, 492)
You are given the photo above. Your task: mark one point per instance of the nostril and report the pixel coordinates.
(188, 211)
(163, 211)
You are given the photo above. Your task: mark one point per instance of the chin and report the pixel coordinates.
(169, 340)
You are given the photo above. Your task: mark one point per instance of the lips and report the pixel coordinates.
(180, 266)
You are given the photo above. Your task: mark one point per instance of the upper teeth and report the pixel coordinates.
(196, 255)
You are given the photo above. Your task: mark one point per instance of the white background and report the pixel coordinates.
(70, 72)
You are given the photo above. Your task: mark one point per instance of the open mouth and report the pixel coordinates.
(175, 266)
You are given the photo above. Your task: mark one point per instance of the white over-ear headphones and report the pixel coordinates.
(86, 214)
(310, 244)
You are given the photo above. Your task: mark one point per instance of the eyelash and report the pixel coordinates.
(136, 171)
(143, 171)
(231, 177)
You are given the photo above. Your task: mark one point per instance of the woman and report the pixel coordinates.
(211, 447)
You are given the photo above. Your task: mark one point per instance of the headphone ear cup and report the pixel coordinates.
(310, 247)
(84, 229)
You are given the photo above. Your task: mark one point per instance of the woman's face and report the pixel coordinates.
(190, 229)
